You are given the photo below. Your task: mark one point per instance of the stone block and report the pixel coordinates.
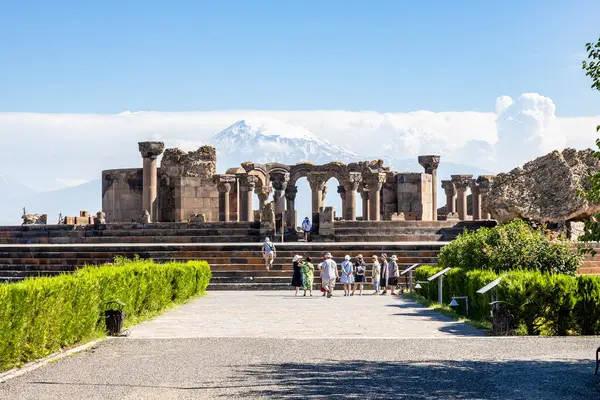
(84, 214)
(398, 217)
(69, 220)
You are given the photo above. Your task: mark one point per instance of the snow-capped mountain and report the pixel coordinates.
(267, 140)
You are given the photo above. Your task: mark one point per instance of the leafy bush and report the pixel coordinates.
(542, 303)
(514, 245)
(40, 316)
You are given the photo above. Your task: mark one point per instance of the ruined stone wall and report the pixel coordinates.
(122, 194)
(414, 196)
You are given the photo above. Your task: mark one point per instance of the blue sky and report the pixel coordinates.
(112, 56)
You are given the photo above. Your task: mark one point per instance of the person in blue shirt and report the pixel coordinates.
(306, 227)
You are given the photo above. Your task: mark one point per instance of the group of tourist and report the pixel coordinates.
(352, 274)
(384, 274)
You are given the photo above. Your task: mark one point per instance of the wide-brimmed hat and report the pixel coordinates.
(347, 258)
(359, 256)
(375, 257)
(267, 239)
(328, 255)
(394, 258)
(383, 255)
(296, 258)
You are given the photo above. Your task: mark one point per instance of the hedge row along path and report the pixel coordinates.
(274, 345)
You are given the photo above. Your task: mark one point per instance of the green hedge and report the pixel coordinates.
(550, 304)
(512, 246)
(42, 315)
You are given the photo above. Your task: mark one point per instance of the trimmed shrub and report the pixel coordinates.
(542, 303)
(512, 246)
(42, 315)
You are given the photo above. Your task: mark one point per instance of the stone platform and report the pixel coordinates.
(234, 265)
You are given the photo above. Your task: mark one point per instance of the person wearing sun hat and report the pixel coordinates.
(347, 277)
(393, 272)
(297, 277)
(330, 274)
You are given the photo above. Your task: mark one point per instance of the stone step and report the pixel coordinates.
(390, 237)
(368, 291)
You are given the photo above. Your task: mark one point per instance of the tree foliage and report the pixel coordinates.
(591, 66)
(514, 245)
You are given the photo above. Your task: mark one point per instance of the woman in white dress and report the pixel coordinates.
(347, 277)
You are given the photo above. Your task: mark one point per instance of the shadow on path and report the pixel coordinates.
(423, 380)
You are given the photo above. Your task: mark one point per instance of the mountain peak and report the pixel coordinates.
(256, 127)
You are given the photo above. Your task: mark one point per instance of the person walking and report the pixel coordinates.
(297, 277)
(330, 274)
(347, 277)
(361, 268)
(269, 253)
(308, 275)
(306, 228)
(323, 290)
(384, 274)
(393, 274)
(376, 274)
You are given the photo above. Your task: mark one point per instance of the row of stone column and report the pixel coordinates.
(456, 195)
(284, 195)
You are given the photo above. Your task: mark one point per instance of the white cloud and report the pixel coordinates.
(38, 149)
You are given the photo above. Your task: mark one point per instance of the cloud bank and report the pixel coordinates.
(49, 151)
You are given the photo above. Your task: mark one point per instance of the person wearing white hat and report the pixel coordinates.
(330, 274)
(393, 273)
(347, 277)
(297, 277)
(268, 252)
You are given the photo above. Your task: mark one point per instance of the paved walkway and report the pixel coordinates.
(266, 345)
(279, 314)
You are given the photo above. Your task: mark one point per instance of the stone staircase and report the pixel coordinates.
(161, 232)
(404, 231)
(234, 266)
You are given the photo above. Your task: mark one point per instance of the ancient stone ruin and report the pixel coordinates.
(546, 189)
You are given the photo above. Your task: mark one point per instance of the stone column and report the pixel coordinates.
(450, 190)
(374, 183)
(290, 197)
(431, 163)
(485, 184)
(461, 182)
(224, 184)
(150, 151)
(247, 187)
(342, 191)
(279, 181)
(476, 196)
(351, 182)
(318, 186)
(263, 194)
(364, 194)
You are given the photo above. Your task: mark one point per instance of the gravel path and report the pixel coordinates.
(313, 361)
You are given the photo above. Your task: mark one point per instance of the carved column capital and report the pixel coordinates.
(151, 149)
(351, 181)
(461, 182)
(317, 181)
(374, 182)
(429, 162)
(290, 192)
(474, 187)
(449, 188)
(279, 180)
(224, 182)
(247, 182)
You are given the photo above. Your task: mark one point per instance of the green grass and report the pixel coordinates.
(40, 316)
(448, 311)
